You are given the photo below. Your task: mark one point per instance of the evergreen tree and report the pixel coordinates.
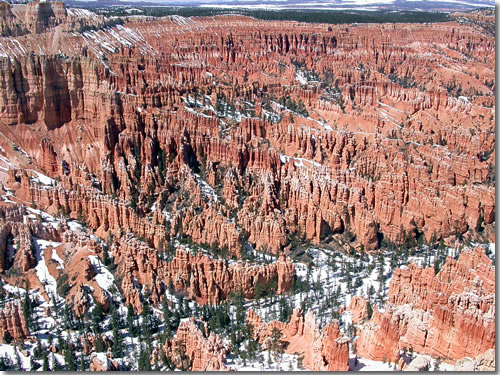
(27, 306)
(275, 337)
(369, 309)
(437, 364)
(33, 365)
(167, 362)
(117, 348)
(45, 363)
(69, 357)
(19, 365)
(69, 321)
(97, 313)
(99, 344)
(7, 337)
(105, 256)
(181, 353)
(171, 289)
(131, 321)
(143, 362)
(82, 363)
(285, 310)
(146, 325)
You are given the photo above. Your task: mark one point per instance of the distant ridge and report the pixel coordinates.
(404, 5)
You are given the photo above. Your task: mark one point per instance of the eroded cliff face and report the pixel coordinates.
(204, 279)
(376, 155)
(13, 322)
(199, 153)
(322, 349)
(200, 352)
(449, 315)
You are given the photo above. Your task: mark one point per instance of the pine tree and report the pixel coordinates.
(146, 325)
(167, 362)
(19, 365)
(105, 256)
(45, 363)
(33, 365)
(82, 363)
(171, 289)
(117, 348)
(369, 309)
(27, 306)
(143, 362)
(131, 321)
(166, 311)
(7, 337)
(437, 364)
(181, 352)
(69, 357)
(99, 344)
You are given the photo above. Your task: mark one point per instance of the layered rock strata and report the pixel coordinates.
(449, 315)
(322, 350)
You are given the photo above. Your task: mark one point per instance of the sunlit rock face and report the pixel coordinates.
(450, 315)
(142, 158)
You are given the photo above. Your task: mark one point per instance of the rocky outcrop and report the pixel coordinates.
(359, 309)
(206, 280)
(323, 350)
(228, 135)
(12, 321)
(41, 16)
(301, 177)
(100, 362)
(420, 363)
(448, 315)
(203, 353)
(9, 24)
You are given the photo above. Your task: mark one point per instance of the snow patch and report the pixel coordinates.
(104, 278)
(57, 259)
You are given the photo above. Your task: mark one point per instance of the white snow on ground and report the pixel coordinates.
(14, 353)
(299, 76)
(57, 259)
(44, 243)
(283, 362)
(180, 20)
(492, 248)
(299, 162)
(329, 282)
(46, 218)
(206, 189)
(363, 364)
(388, 106)
(42, 272)
(12, 289)
(104, 278)
(43, 179)
(323, 124)
(74, 226)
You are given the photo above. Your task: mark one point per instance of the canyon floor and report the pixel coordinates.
(229, 193)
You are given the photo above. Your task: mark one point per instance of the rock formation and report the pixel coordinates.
(205, 280)
(483, 362)
(204, 353)
(323, 350)
(359, 309)
(12, 321)
(199, 154)
(408, 167)
(102, 363)
(449, 315)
